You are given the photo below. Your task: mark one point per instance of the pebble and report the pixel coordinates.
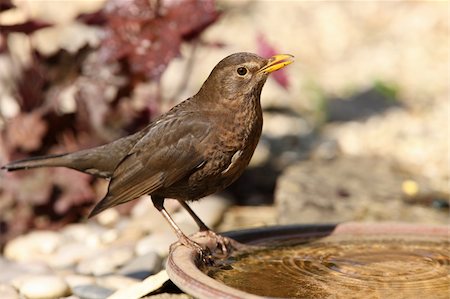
(109, 236)
(86, 233)
(76, 231)
(92, 291)
(108, 217)
(150, 221)
(36, 245)
(70, 254)
(115, 282)
(240, 217)
(12, 270)
(44, 287)
(18, 281)
(157, 242)
(106, 262)
(74, 280)
(7, 291)
(142, 266)
(143, 288)
(131, 233)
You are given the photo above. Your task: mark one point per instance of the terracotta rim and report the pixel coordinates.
(183, 271)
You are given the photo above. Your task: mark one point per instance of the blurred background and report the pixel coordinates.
(356, 129)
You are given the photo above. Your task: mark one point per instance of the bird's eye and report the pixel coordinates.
(242, 71)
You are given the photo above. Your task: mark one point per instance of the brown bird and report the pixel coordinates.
(199, 147)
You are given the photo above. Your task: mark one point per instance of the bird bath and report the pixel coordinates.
(349, 260)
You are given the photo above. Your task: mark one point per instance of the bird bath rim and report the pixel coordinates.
(184, 272)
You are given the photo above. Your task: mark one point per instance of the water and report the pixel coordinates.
(343, 267)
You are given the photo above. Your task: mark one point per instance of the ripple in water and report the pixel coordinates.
(344, 267)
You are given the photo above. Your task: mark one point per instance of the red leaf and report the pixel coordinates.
(32, 187)
(26, 131)
(31, 86)
(265, 49)
(193, 17)
(148, 36)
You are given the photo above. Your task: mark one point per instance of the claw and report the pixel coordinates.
(221, 246)
(210, 246)
(204, 253)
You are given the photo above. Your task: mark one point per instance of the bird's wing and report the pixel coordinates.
(167, 153)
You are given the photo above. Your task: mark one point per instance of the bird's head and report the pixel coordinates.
(241, 75)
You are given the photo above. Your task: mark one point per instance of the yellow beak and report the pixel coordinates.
(277, 62)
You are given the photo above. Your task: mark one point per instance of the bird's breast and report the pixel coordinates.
(230, 153)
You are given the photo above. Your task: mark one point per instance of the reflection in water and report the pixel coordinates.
(343, 267)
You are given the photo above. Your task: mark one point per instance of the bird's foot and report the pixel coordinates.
(204, 252)
(220, 246)
(210, 246)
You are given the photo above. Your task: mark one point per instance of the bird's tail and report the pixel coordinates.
(33, 162)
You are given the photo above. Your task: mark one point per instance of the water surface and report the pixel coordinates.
(343, 267)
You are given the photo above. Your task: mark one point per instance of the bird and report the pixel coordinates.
(197, 148)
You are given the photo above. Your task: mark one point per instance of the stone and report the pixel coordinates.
(76, 231)
(108, 217)
(74, 280)
(143, 288)
(18, 280)
(132, 232)
(87, 233)
(44, 287)
(36, 245)
(115, 282)
(7, 291)
(13, 270)
(156, 242)
(348, 189)
(404, 136)
(242, 217)
(146, 219)
(70, 254)
(109, 236)
(91, 291)
(106, 261)
(45, 241)
(142, 266)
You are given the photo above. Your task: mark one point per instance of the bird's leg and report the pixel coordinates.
(202, 226)
(226, 244)
(158, 202)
